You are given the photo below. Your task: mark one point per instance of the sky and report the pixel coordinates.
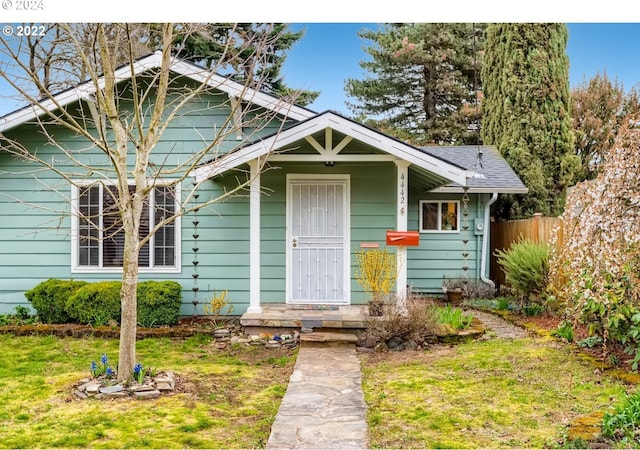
(599, 40)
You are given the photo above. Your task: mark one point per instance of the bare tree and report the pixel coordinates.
(124, 121)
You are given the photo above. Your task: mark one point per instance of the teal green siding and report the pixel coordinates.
(440, 255)
(35, 241)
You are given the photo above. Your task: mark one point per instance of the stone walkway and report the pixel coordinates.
(500, 327)
(324, 406)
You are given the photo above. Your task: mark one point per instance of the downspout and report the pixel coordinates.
(485, 241)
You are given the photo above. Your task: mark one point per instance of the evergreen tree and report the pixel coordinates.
(423, 82)
(233, 44)
(526, 112)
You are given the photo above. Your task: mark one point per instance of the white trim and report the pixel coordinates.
(479, 190)
(402, 201)
(154, 61)
(254, 239)
(345, 126)
(76, 268)
(320, 178)
(439, 230)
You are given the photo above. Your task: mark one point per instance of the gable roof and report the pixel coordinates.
(495, 174)
(153, 61)
(442, 171)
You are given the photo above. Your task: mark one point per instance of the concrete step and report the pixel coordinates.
(328, 337)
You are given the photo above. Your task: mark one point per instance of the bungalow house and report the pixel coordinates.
(322, 187)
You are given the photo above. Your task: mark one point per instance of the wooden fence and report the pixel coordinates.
(503, 234)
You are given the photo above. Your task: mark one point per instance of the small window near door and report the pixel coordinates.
(439, 216)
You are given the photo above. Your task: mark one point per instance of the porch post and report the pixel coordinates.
(254, 238)
(402, 189)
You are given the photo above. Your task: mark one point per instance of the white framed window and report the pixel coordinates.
(439, 216)
(98, 238)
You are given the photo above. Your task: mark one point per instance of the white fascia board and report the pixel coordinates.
(241, 91)
(479, 190)
(357, 131)
(80, 92)
(154, 61)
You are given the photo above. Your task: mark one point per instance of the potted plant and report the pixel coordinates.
(453, 290)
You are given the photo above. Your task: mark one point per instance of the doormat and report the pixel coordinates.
(317, 307)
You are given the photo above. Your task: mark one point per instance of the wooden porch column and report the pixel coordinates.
(402, 192)
(254, 238)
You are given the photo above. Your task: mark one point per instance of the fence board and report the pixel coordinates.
(503, 234)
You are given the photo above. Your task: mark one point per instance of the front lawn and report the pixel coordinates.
(226, 398)
(494, 393)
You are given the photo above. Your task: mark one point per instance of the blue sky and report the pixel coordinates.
(330, 52)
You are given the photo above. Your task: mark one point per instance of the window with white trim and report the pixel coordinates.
(439, 216)
(99, 238)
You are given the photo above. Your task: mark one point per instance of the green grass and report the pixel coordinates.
(231, 398)
(496, 393)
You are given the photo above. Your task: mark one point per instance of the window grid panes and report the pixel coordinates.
(101, 237)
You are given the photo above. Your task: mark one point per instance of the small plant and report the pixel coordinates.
(217, 305)
(376, 274)
(564, 331)
(590, 342)
(101, 368)
(502, 303)
(455, 317)
(532, 309)
(623, 424)
(138, 373)
(22, 313)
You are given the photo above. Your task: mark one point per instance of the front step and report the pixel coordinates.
(329, 337)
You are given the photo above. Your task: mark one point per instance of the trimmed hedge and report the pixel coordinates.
(96, 303)
(49, 299)
(159, 303)
(64, 301)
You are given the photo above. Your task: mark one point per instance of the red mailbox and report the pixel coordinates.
(404, 238)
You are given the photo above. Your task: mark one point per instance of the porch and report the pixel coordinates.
(276, 317)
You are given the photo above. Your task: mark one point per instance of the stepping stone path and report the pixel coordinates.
(500, 327)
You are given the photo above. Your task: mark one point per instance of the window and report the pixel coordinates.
(439, 216)
(99, 238)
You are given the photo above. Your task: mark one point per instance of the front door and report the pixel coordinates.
(318, 240)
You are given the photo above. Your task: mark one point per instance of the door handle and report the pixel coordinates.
(294, 242)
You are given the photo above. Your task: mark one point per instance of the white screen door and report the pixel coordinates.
(318, 236)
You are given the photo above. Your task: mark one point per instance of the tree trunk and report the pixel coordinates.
(128, 300)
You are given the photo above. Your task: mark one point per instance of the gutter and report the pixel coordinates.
(485, 241)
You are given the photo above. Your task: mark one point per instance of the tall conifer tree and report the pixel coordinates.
(421, 83)
(526, 112)
(233, 43)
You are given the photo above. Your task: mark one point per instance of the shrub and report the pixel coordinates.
(96, 303)
(159, 303)
(49, 299)
(417, 325)
(525, 265)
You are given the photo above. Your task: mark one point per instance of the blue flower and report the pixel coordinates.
(104, 360)
(109, 372)
(94, 367)
(137, 368)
